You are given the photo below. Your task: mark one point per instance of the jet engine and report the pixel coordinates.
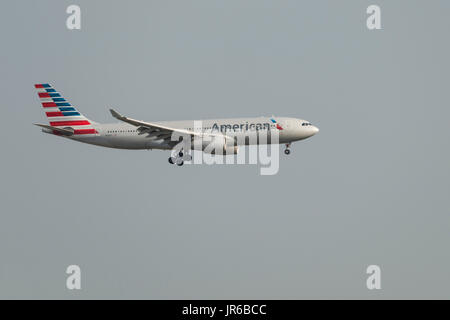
(217, 144)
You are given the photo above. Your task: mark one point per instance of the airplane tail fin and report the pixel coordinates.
(60, 113)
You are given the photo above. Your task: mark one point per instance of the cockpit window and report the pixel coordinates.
(305, 124)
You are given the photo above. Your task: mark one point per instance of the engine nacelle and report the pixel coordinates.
(217, 144)
(230, 150)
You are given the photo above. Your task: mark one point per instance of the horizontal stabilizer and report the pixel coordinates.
(65, 131)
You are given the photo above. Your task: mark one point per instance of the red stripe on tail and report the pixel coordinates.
(69, 123)
(54, 114)
(49, 105)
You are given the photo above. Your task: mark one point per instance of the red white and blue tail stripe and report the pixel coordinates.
(61, 113)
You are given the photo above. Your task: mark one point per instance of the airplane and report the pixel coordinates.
(66, 121)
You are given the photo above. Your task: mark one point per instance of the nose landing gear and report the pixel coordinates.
(287, 151)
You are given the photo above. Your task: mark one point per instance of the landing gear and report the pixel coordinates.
(287, 151)
(180, 158)
(179, 162)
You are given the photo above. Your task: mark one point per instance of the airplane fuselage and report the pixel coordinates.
(126, 136)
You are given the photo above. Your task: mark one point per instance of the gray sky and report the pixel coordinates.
(371, 188)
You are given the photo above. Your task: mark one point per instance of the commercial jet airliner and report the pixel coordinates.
(65, 121)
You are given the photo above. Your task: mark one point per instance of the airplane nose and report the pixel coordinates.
(315, 129)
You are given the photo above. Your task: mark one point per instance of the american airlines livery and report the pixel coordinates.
(66, 121)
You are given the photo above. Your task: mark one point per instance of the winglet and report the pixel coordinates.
(116, 115)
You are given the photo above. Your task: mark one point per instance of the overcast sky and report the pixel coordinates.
(371, 188)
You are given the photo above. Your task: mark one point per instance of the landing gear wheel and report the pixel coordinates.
(171, 160)
(180, 162)
(180, 154)
(287, 151)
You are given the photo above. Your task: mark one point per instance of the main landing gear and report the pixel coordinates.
(180, 158)
(287, 151)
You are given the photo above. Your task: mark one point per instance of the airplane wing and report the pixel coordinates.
(152, 129)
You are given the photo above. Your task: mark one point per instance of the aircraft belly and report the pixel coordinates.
(156, 144)
(127, 142)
